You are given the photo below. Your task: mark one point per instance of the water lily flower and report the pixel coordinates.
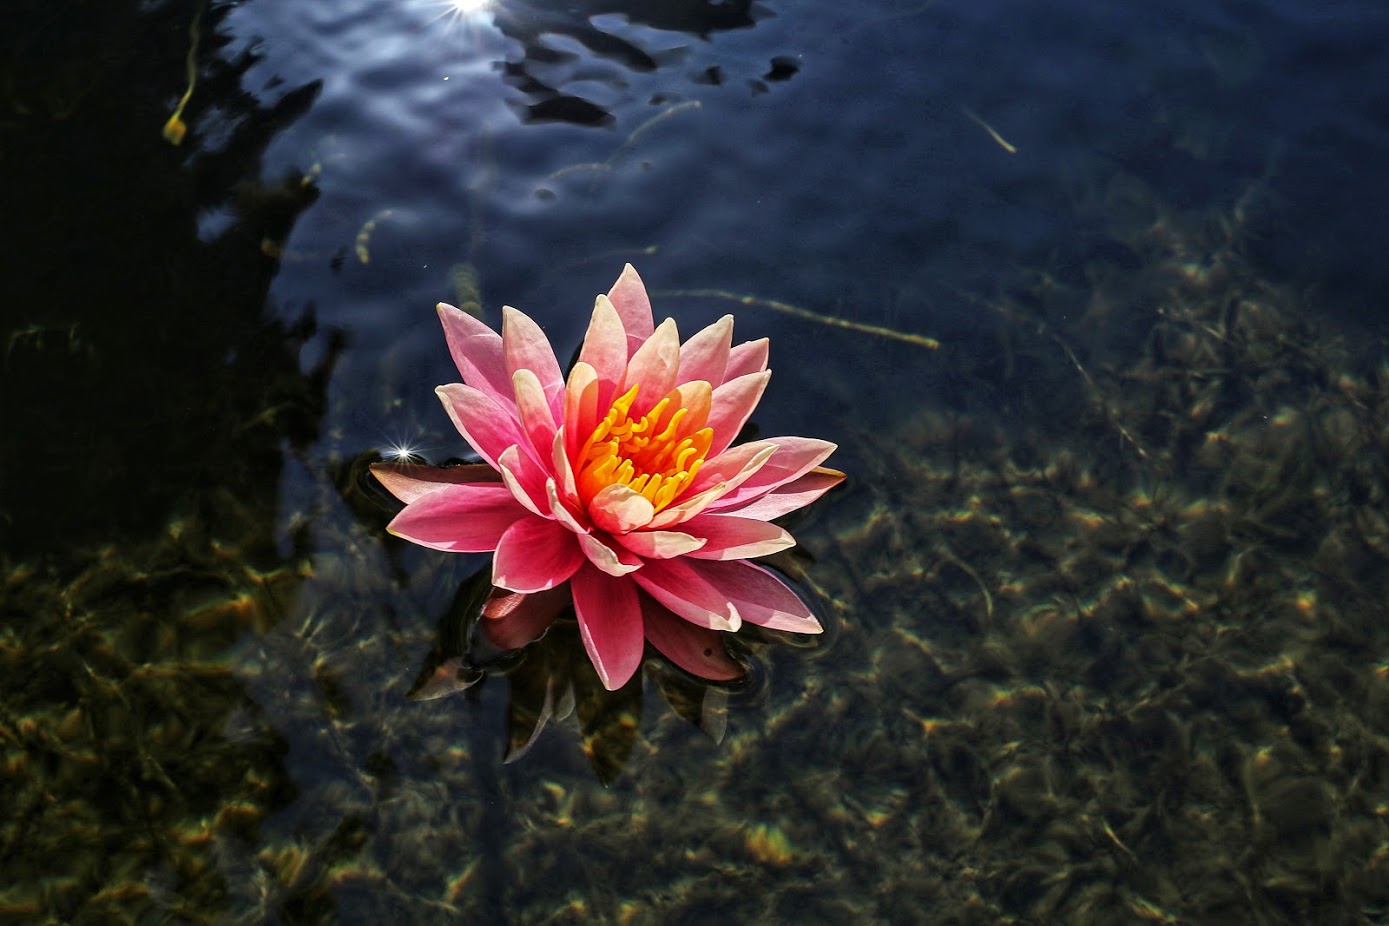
(617, 489)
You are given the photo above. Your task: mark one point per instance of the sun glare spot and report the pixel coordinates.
(461, 11)
(400, 452)
(470, 18)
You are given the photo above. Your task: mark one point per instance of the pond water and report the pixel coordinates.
(1089, 296)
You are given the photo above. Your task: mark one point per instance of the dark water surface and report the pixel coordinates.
(1104, 591)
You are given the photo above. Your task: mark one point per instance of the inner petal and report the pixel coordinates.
(655, 455)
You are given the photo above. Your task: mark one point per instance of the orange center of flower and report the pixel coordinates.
(654, 455)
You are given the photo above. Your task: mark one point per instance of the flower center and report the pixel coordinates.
(655, 455)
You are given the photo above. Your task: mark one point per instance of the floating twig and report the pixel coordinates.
(786, 308)
(175, 129)
(1002, 142)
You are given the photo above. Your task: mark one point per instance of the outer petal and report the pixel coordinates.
(748, 357)
(731, 537)
(629, 297)
(605, 350)
(660, 544)
(511, 620)
(525, 347)
(459, 518)
(760, 596)
(610, 622)
(732, 406)
(535, 554)
(615, 562)
(560, 511)
(477, 352)
(408, 481)
(489, 426)
(685, 590)
(655, 365)
(533, 409)
(617, 509)
(697, 650)
(735, 465)
(564, 473)
(525, 479)
(792, 495)
(794, 457)
(705, 356)
(701, 495)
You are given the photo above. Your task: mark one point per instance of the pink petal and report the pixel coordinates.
(760, 596)
(459, 518)
(580, 407)
(511, 620)
(794, 457)
(605, 350)
(629, 297)
(732, 405)
(697, 398)
(477, 352)
(408, 481)
(655, 365)
(617, 509)
(525, 479)
(701, 495)
(659, 544)
(483, 422)
(535, 554)
(734, 466)
(689, 506)
(564, 473)
(617, 562)
(561, 511)
(533, 409)
(705, 356)
(736, 538)
(697, 650)
(681, 585)
(748, 357)
(525, 347)
(610, 622)
(792, 495)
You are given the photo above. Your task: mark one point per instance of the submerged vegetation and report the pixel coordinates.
(1129, 633)
(1106, 647)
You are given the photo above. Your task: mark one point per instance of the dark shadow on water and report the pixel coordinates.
(149, 402)
(135, 358)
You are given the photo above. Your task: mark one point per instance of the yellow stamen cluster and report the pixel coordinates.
(651, 455)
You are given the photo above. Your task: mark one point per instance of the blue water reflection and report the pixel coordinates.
(873, 180)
